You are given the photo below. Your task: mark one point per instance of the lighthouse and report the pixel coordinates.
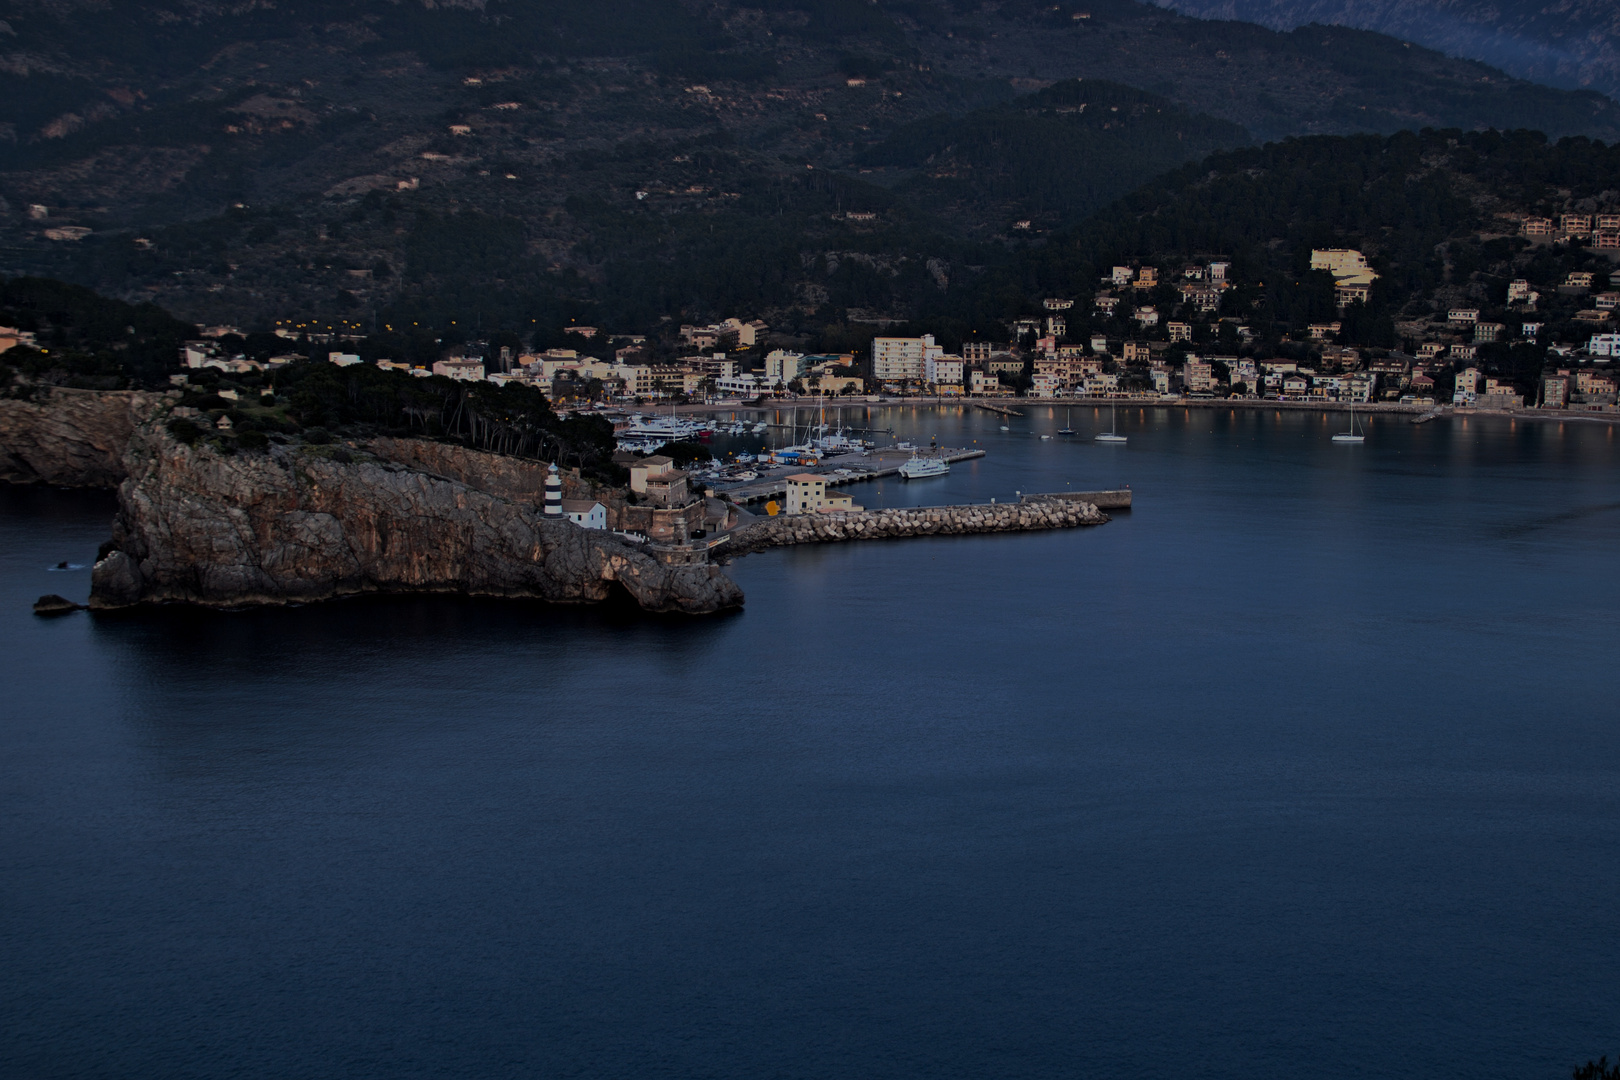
(553, 492)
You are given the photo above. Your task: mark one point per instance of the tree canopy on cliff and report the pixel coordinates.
(88, 340)
(510, 419)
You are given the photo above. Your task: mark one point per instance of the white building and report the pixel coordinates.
(1604, 345)
(943, 370)
(783, 366)
(464, 370)
(586, 513)
(343, 359)
(1347, 265)
(1245, 372)
(902, 359)
(744, 385)
(807, 493)
(1467, 388)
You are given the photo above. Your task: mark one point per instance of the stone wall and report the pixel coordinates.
(899, 522)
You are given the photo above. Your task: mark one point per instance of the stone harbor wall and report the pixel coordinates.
(900, 522)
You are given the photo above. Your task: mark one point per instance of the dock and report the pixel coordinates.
(847, 469)
(1111, 499)
(1004, 410)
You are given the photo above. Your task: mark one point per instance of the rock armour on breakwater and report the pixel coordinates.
(897, 523)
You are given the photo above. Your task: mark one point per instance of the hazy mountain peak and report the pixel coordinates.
(1568, 43)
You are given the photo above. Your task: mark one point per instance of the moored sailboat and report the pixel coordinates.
(1112, 435)
(1350, 436)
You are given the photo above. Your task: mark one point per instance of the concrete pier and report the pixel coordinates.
(1114, 499)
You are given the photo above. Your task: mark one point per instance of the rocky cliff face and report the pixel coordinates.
(72, 438)
(496, 474)
(299, 523)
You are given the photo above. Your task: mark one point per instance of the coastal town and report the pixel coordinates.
(1183, 332)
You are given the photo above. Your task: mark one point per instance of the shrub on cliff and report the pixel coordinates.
(185, 430)
(252, 440)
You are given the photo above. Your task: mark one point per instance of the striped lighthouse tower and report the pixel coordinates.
(553, 493)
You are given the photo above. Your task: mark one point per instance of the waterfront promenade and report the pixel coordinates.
(1017, 406)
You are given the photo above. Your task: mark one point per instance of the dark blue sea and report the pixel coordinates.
(1309, 765)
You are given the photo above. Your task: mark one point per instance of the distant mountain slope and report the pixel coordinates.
(1051, 157)
(1567, 43)
(526, 162)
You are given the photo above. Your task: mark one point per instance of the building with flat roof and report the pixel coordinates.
(808, 493)
(902, 359)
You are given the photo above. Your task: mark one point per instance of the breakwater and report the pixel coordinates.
(1033, 513)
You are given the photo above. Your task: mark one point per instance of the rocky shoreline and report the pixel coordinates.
(295, 523)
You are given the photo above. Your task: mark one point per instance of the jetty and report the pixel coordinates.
(1111, 499)
(873, 466)
(1029, 514)
(1004, 410)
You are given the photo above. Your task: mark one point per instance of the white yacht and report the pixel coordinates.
(669, 428)
(920, 466)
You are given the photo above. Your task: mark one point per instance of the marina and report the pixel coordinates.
(842, 469)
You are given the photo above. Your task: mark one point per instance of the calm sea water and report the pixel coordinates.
(1309, 765)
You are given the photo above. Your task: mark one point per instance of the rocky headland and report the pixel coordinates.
(294, 522)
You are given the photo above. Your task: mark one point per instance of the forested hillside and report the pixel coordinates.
(520, 166)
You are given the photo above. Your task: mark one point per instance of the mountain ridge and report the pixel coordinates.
(635, 160)
(1571, 43)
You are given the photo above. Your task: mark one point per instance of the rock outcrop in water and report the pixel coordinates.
(297, 523)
